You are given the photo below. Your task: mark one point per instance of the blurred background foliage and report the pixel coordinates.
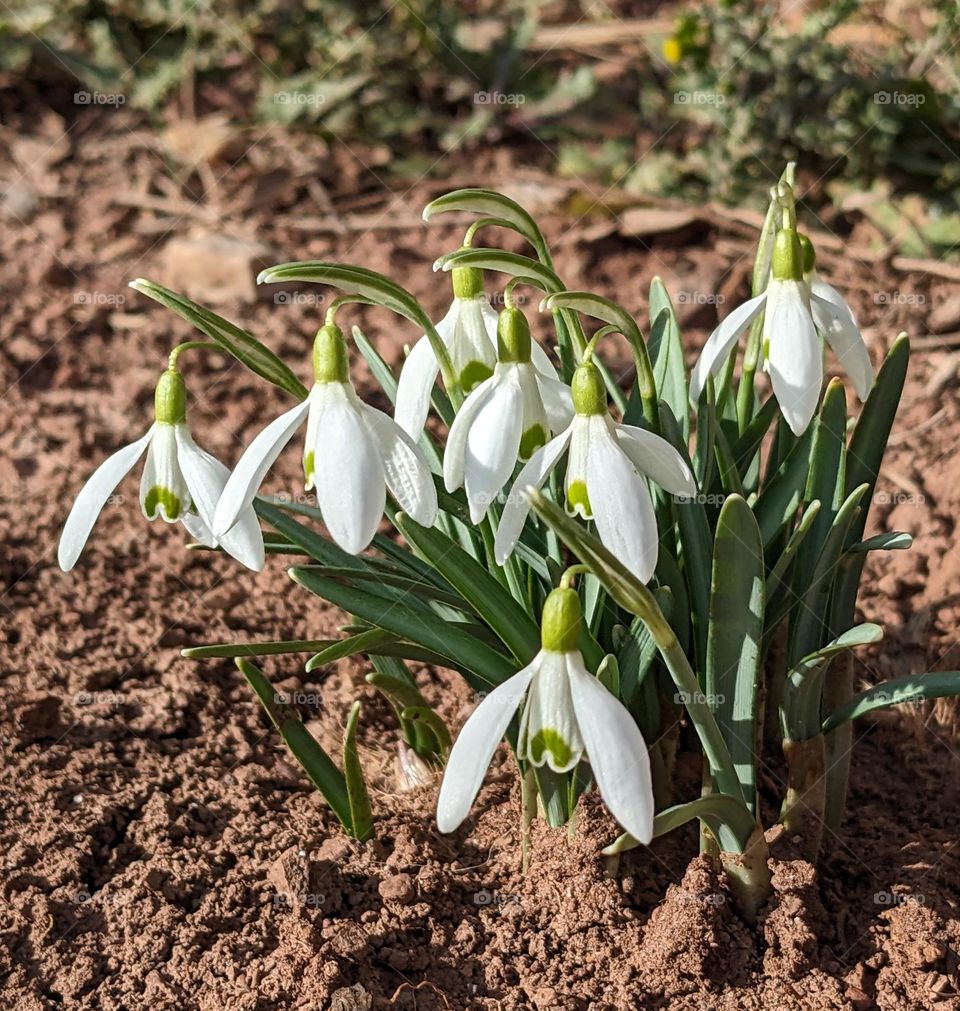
(673, 100)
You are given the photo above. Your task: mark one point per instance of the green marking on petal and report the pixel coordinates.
(473, 374)
(577, 499)
(532, 439)
(159, 498)
(547, 740)
(308, 465)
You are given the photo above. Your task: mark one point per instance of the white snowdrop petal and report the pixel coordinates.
(163, 490)
(720, 343)
(407, 474)
(474, 747)
(415, 388)
(351, 489)
(93, 496)
(616, 751)
(795, 357)
(548, 731)
(453, 454)
(655, 457)
(515, 512)
(541, 361)
(493, 442)
(252, 467)
(557, 401)
(839, 327)
(621, 505)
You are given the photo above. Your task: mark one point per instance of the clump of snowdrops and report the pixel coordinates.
(600, 566)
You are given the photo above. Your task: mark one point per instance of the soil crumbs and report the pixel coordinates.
(159, 850)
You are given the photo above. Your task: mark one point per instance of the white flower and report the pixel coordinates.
(606, 467)
(469, 332)
(791, 349)
(352, 454)
(568, 716)
(507, 417)
(180, 483)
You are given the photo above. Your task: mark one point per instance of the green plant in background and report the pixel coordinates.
(757, 91)
(718, 536)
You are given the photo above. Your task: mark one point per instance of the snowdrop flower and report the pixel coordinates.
(568, 715)
(469, 331)
(180, 482)
(792, 352)
(352, 454)
(606, 467)
(507, 416)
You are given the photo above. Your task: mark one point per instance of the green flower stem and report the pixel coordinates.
(191, 346)
(802, 812)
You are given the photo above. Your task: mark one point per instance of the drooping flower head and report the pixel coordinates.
(606, 467)
(506, 418)
(469, 332)
(791, 350)
(352, 454)
(568, 717)
(180, 482)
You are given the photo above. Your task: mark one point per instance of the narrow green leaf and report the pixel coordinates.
(361, 814)
(608, 674)
(425, 628)
(666, 354)
(489, 203)
(314, 761)
(778, 502)
(228, 336)
(803, 686)
(315, 545)
(488, 597)
(514, 264)
(909, 689)
(896, 540)
(734, 635)
(273, 648)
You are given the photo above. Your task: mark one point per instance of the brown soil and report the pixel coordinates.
(160, 850)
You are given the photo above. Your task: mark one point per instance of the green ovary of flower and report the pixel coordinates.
(547, 740)
(532, 439)
(577, 497)
(308, 465)
(162, 498)
(473, 374)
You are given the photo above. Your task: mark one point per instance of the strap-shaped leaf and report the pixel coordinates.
(895, 540)
(361, 814)
(803, 687)
(912, 688)
(315, 545)
(492, 204)
(780, 498)
(825, 478)
(811, 623)
(666, 354)
(276, 647)
(734, 636)
(488, 597)
(384, 644)
(305, 748)
(487, 666)
(379, 289)
(228, 336)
